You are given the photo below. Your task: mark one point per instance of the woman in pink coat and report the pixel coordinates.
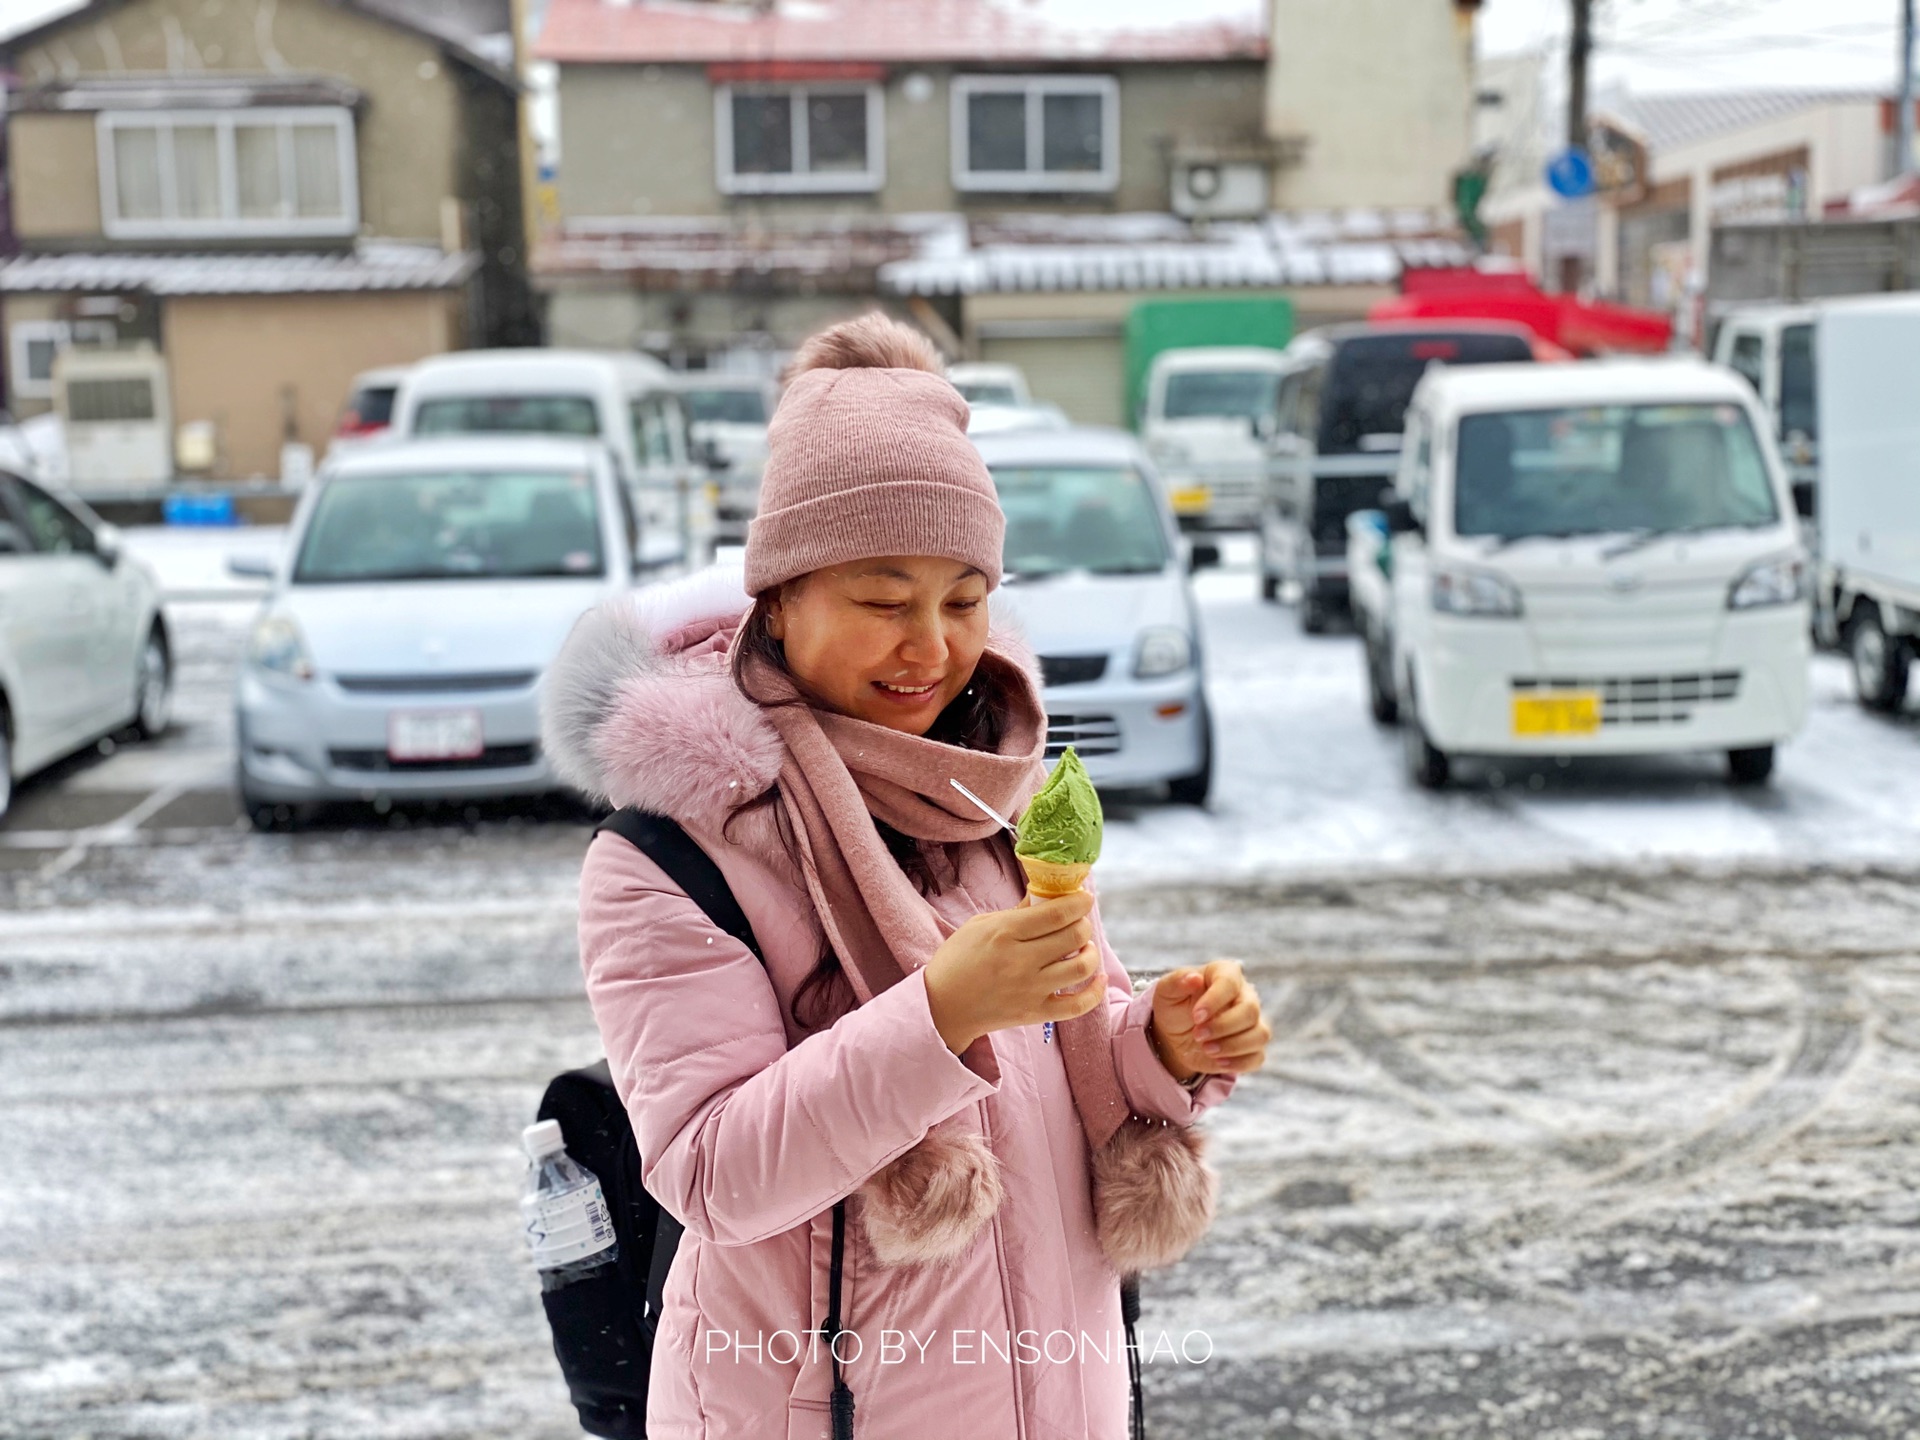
(1001, 1174)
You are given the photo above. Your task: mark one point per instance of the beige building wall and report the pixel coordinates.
(639, 140)
(407, 129)
(1382, 93)
(250, 363)
(55, 175)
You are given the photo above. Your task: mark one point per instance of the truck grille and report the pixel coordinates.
(1088, 734)
(1645, 699)
(375, 762)
(1072, 669)
(434, 684)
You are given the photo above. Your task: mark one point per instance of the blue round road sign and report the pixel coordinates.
(1570, 174)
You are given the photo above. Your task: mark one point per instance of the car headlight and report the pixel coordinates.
(1782, 580)
(1164, 650)
(1461, 591)
(1170, 452)
(277, 645)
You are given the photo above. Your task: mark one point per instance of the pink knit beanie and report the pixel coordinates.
(867, 455)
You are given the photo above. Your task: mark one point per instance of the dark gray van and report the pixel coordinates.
(1336, 441)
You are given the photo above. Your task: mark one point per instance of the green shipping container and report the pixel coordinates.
(1240, 319)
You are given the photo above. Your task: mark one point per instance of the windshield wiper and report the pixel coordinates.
(1142, 569)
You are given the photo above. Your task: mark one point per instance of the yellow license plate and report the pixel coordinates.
(1191, 498)
(1565, 712)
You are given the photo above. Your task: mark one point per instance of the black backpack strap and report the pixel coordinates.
(1130, 1313)
(663, 841)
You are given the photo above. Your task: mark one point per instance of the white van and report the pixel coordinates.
(1209, 413)
(1771, 348)
(628, 401)
(1595, 559)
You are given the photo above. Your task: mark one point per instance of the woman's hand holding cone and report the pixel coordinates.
(1001, 970)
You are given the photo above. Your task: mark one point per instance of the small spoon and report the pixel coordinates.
(985, 808)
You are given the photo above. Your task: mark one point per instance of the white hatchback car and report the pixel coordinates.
(1594, 559)
(1095, 578)
(83, 642)
(424, 588)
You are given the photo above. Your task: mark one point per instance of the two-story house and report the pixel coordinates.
(273, 196)
(1015, 175)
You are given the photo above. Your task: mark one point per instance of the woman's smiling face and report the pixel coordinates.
(891, 640)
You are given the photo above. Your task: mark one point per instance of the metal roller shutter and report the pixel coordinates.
(1085, 375)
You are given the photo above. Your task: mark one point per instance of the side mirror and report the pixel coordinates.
(1202, 556)
(108, 545)
(13, 540)
(1264, 426)
(250, 567)
(708, 453)
(1400, 517)
(1803, 498)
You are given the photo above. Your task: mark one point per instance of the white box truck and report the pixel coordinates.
(1869, 500)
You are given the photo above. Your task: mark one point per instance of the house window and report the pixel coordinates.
(1036, 132)
(257, 172)
(799, 137)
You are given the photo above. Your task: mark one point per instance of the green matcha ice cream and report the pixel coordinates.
(1062, 825)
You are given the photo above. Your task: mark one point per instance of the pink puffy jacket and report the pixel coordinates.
(751, 1131)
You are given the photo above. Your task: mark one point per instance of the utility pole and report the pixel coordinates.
(1903, 130)
(1571, 267)
(1577, 54)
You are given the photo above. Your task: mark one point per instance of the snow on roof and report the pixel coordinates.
(947, 254)
(982, 31)
(1663, 379)
(371, 266)
(201, 91)
(1161, 252)
(1670, 121)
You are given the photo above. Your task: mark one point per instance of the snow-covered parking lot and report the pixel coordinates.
(1592, 1109)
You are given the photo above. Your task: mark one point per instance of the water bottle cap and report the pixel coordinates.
(543, 1138)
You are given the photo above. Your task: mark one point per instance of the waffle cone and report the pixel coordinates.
(1047, 879)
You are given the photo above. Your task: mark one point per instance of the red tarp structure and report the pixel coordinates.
(1582, 327)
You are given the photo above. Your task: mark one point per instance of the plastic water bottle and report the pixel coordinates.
(565, 1211)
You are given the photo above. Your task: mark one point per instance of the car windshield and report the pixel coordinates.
(1219, 394)
(507, 415)
(1372, 379)
(987, 392)
(1099, 519)
(1610, 468)
(1798, 412)
(726, 407)
(374, 404)
(452, 526)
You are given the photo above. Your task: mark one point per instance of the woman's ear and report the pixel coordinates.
(777, 615)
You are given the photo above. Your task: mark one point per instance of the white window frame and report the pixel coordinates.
(800, 181)
(224, 123)
(1036, 88)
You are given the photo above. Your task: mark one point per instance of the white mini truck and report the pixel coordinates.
(1594, 559)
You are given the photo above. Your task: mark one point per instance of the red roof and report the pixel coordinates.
(699, 32)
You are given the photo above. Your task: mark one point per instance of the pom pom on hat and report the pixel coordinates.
(868, 455)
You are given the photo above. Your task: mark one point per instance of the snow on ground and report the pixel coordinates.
(192, 559)
(1558, 1139)
(1307, 781)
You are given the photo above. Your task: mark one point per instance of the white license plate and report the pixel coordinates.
(434, 735)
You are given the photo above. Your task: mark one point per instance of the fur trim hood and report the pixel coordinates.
(661, 653)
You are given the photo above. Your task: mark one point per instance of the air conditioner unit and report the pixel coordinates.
(1211, 189)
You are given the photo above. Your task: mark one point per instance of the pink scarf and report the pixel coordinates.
(841, 774)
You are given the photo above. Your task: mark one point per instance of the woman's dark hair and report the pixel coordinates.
(973, 721)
